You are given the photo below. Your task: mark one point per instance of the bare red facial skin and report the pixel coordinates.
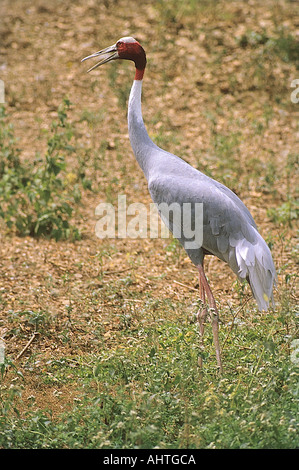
(133, 51)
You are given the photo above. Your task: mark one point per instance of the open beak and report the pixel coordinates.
(110, 53)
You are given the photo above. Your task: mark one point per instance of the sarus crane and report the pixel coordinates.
(228, 229)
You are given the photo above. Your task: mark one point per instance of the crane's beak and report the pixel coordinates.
(110, 53)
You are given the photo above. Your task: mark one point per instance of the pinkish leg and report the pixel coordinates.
(201, 315)
(204, 285)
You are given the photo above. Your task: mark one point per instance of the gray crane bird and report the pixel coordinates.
(228, 229)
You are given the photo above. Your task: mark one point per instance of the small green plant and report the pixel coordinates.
(265, 52)
(283, 44)
(288, 211)
(38, 199)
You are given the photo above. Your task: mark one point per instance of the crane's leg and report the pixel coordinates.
(202, 312)
(212, 311)
(201, 315)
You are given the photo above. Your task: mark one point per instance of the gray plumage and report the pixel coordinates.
(229, 231)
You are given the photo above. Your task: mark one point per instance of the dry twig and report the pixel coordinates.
(26, 346)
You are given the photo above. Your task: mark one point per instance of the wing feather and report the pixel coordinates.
(229, 231)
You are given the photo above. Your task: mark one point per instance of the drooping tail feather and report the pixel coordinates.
(255, 264)
(261, 281)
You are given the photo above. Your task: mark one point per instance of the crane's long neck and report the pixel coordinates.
(141, 143)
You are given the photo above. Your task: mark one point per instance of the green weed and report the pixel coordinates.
(38, 199)
(288, 211)
(283, 45)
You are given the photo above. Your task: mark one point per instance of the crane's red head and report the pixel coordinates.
(126, 48)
